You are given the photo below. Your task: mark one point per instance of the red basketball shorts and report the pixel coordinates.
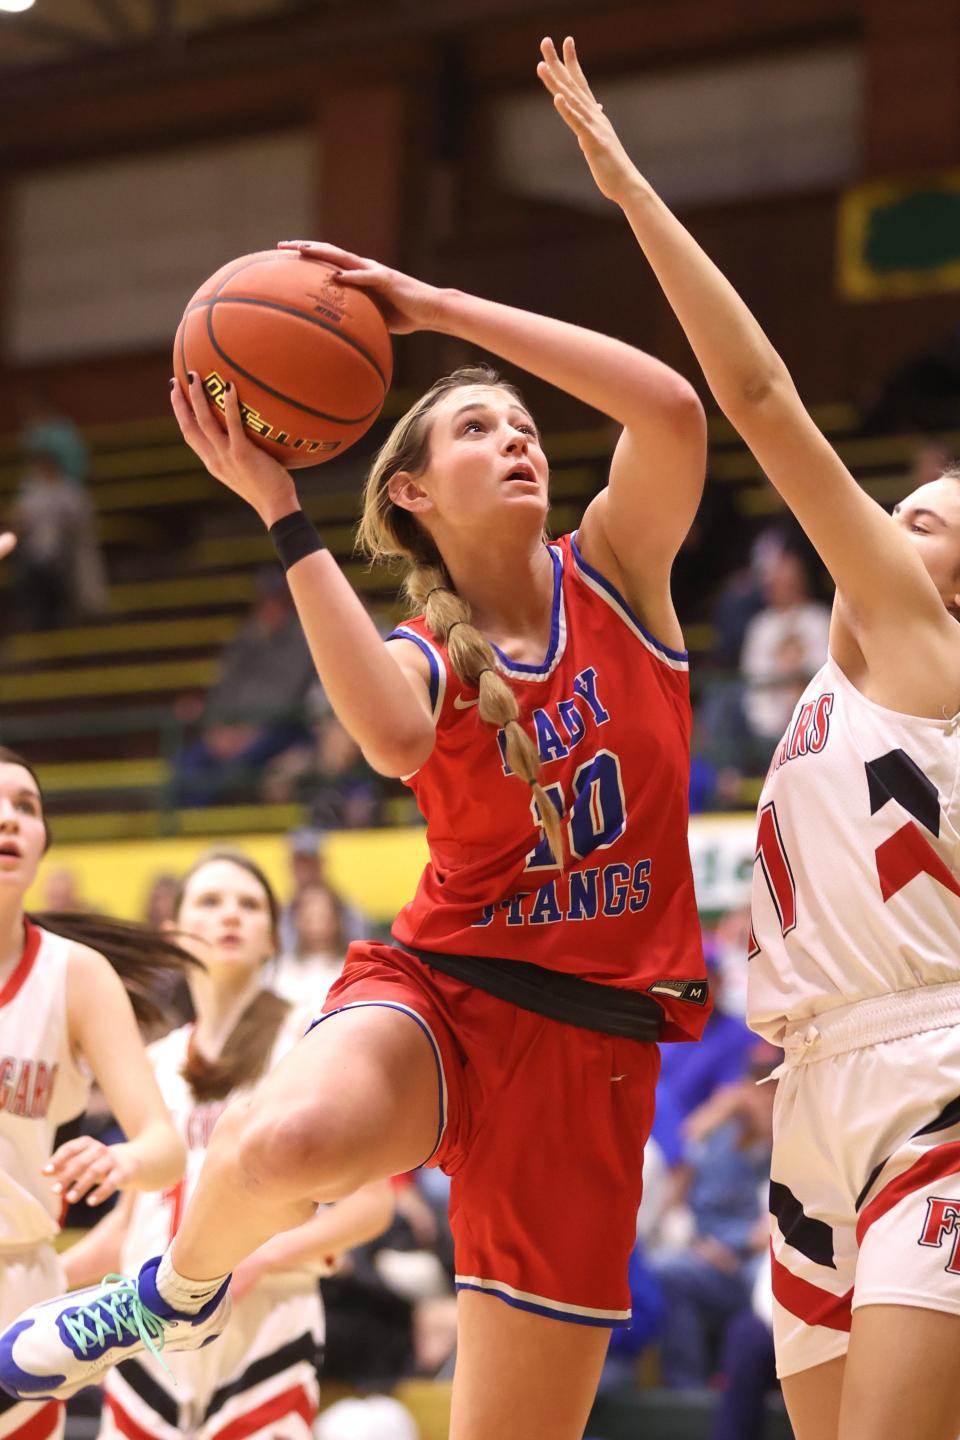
(542, 1131)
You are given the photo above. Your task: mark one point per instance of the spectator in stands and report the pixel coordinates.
(304, 974)
(784, 645)
(47, 432)
(747, 1366)
(255, 710)
(922, 394)
(710, 1279)
(61, 890)
(307, 868)
(928, 461)
(162, 900)
(691, 1074)
(59, 575)
(328, 775)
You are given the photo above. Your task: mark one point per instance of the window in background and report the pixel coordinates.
(105, 255)
(713, 133)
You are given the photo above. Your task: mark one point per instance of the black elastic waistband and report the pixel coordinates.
(626, 1013)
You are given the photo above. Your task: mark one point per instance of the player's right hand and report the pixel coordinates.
(233, 458)
(405, 303)
(7, 541)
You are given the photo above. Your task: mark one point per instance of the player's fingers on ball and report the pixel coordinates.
(187, 421)
(231, 409)
(203, 414)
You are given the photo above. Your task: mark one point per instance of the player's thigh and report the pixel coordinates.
(520, 1376)
(901, 1375)
(812, 1398)
(359, 1097)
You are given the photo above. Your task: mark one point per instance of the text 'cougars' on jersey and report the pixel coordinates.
(26, 1086)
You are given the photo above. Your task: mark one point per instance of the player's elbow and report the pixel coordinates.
(401, 752)
(766, 388)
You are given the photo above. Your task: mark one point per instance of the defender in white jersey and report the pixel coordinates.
(260, 1379)
(64, 1018)
(856, 953)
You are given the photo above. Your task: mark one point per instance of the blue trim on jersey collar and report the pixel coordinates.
(614, 593)
(517, 665)
(402, 632)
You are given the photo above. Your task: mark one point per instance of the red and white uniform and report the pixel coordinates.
(260, 1379)
(542, 1124)
(855, 970)
(41, 1087)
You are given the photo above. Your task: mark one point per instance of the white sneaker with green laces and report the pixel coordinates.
(55, 1348)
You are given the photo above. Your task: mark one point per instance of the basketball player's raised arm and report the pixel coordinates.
(656, 479)
(752, 386)
(381, 699)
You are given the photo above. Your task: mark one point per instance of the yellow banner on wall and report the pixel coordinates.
(375, 870)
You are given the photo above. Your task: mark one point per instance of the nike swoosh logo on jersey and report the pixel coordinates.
(460, 704)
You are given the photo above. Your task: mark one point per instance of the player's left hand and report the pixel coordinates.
(7, 541)
(405, 303)
(87, 1167)
(610, 165)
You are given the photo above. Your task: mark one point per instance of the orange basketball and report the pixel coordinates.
(310, 357)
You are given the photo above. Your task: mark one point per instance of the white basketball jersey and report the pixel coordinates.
(856, 883)
(41, 1086)
(156, 1214)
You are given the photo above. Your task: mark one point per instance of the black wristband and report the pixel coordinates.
(294, 536)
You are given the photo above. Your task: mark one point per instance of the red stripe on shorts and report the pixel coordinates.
(941, 1161)
(294, 1401)
(808, 1302)
(125, 1423)
(41, 1425)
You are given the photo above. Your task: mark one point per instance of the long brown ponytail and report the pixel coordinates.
(245, 1056)
(389, 532)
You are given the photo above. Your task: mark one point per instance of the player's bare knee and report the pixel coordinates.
(301, 1152)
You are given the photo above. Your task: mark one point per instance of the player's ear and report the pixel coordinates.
(407, 492)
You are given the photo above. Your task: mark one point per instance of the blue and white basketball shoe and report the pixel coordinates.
(58, 1346)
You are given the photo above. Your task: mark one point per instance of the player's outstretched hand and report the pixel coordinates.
(610, 165)
(87, 1167)
(407, 304)
(7, 542)
(232, 458)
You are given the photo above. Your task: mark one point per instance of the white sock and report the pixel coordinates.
(181, 1293)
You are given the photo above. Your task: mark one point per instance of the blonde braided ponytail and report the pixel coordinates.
(388, 532)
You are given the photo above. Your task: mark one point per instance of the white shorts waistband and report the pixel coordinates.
(870, 1022)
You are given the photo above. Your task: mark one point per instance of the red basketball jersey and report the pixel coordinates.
(610, 710)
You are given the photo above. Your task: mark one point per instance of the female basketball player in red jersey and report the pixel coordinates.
(260, 1379)
(856, 906)
(64, 1016)
(538, 707)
